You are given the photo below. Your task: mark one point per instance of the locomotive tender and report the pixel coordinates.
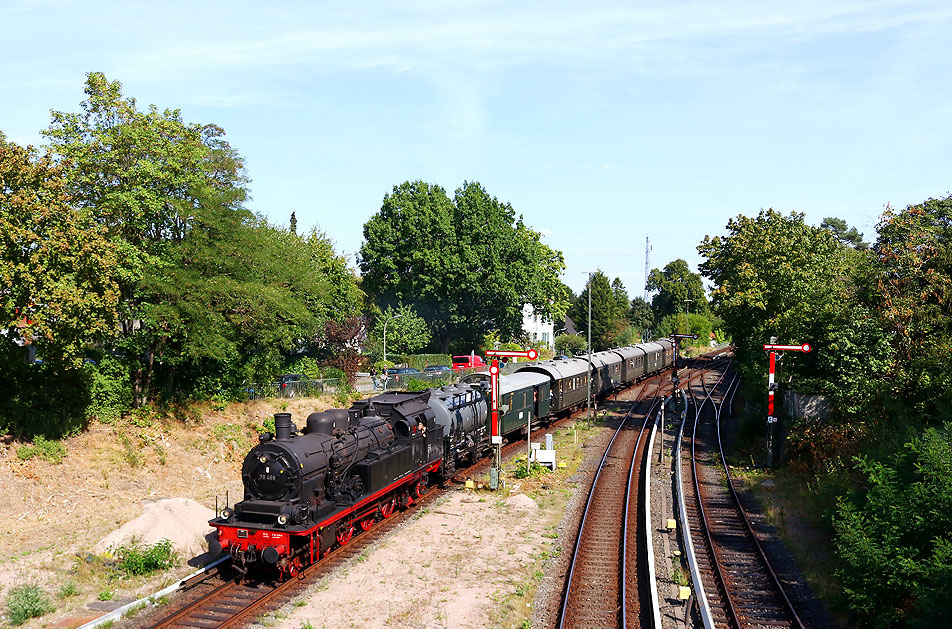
(306, 491)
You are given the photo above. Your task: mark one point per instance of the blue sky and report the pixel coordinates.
(601, 122)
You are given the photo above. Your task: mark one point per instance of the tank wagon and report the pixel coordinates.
(309, 490)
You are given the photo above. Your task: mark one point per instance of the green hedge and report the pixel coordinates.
(420, 361)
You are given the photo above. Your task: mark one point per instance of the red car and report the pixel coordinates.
(470, 361)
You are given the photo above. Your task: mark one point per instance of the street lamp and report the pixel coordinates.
(687, 315)
(588, 399)
(386, 321)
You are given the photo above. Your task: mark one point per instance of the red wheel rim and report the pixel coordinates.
(366, 523)
(387, 510)
(344, 534)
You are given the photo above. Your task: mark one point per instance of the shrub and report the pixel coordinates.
(47, 449)
(110, 389)
(25, 602)
(535, 470)
(140, 559)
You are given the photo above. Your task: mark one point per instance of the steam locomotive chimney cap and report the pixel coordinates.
(283, 426)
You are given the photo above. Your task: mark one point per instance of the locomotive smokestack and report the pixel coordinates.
(282, 426)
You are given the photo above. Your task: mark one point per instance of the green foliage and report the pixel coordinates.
(420, 361)
(608, 315)
(570, 344)
(68, 590)
(532, 471)
(140, 559)
(406, 331)
(466, 265)
(47, 449)
(640, 315)
(57, 267)
(895, 538)
(913, 274)
(25, 602)
(844, 233)
(775, 275)
(674, 285)
(40, 399)
(110, 389)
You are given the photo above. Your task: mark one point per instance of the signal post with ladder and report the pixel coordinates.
(496, 354)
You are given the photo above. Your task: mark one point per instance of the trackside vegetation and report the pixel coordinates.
(879, 468)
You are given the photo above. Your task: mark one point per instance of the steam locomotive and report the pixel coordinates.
(308, 490)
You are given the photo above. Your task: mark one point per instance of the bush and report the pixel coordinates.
(535, 470)
(421, 361)
(570, 344)
(25, 602)
(139, 559)
(110, 389)
(47, 449)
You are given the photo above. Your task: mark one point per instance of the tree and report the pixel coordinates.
(621, 295)
(142, 177)
(893, 539)
(674, 285)
(844, 233)
(570, 344)
(467, 265)
(608, 318)
(640, 314)
(775, 275)
(913, 278)
(406, 331)
(57, 269)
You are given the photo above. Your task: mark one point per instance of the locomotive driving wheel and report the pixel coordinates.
(419, 489)
(366, 523)
(345, 532)
(387, 510)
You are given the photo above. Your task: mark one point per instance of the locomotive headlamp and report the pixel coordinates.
(263, 458)
(226, 513)
(282, 519)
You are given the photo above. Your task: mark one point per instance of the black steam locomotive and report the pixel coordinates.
(307, 491)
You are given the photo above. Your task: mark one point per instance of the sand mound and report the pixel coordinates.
(182, 521)
(522, 501)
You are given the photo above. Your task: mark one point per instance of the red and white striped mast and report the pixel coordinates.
(773, 348)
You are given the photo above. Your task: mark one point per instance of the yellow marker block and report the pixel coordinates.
(672, 524)
(684, 592)
(561, 464)
(470, 484)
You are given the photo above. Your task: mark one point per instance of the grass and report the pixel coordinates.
(25, 602)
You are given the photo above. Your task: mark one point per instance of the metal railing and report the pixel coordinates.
(363, 383)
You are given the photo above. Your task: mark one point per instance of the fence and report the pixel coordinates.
(363, 383)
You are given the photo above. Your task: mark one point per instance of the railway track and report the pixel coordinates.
(608, 583)
(734, 583)
(235, 604)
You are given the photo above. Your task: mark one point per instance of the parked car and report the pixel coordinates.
(470, 361)
(437, 369)
(287, 386)
(395, 374)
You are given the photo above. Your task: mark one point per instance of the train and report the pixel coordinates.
(310, 489)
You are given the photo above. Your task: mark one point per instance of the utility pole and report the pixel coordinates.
(647, 264)
(773, 348)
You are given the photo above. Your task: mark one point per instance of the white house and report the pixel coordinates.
(536, 327)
